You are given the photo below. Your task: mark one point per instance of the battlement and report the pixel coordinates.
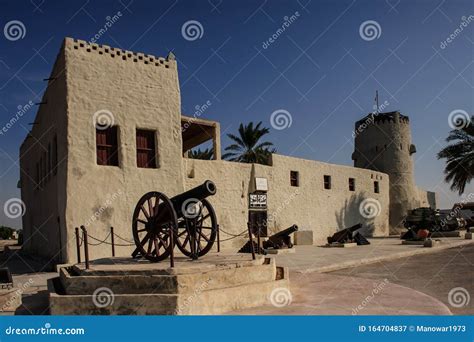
(124, 55)
(381, 118)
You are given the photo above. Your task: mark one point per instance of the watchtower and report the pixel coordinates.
(383, 143)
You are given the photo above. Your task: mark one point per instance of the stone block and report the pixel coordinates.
(468, 236)
(413, 243)
(303, 237)
(280, 251)
(431, 243)
(212, 285)
(10, 299)
(455, 233)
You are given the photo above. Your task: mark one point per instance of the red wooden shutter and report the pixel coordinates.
(107, 146)
(146, 153)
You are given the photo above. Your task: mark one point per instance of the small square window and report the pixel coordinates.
(294, 178)
(107, 145)
(327, 182)
(146, 151)
(376, 187)
(352, 184)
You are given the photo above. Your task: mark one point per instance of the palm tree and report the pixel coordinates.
(207, 154)
(247, 147)
(459, 156)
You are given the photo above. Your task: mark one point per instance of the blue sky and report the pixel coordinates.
(320, 69)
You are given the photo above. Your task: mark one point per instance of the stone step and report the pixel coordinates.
(186, 282)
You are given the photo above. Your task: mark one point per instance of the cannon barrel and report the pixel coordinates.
(191, 197)
(285, 232)
(344, 234)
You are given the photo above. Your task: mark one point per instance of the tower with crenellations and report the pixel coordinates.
(383, 143)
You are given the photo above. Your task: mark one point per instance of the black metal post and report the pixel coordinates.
(172, 246)
(218, 239)
(86, 246)
(258, 238)
(78, 246)
(251, 240)
(112, 240)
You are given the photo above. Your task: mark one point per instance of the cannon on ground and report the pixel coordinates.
(347, 235)
(187, 220)
(281, 239)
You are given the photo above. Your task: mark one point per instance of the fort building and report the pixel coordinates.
(110, 129)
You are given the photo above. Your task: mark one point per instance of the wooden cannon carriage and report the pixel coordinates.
(187, 220)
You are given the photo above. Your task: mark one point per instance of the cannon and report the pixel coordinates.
(281, 239)
(187, 220)
(347, 235)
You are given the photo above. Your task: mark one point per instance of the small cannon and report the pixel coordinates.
(281, 239)
(347, 235)
(187, 220)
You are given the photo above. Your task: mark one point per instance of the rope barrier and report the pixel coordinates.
(234, 235)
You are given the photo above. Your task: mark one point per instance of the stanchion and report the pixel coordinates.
(251, 241)
(172, 246)
(112, 240)
(86, 246)
(258, 238)
(218, 239)
(78, 246)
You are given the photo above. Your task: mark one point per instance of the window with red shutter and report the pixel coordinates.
(146, 148)
(107, 146)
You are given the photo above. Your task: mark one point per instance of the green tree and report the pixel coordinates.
(459, 157)
(206, 154)
(247, 146)
(6, 232)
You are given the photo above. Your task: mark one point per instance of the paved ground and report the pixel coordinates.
(30, 275)
(417, 284)
(434, 274)
(315, 258)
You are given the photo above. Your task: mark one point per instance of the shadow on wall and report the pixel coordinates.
(350, 215)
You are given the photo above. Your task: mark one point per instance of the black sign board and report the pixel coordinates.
(258, 200)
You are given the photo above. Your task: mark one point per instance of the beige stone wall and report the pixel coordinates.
(44, 223)
(427, 198)
(139, 94)
(309, 206)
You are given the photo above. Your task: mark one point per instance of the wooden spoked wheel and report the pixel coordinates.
(154, 220)
(196, 235)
